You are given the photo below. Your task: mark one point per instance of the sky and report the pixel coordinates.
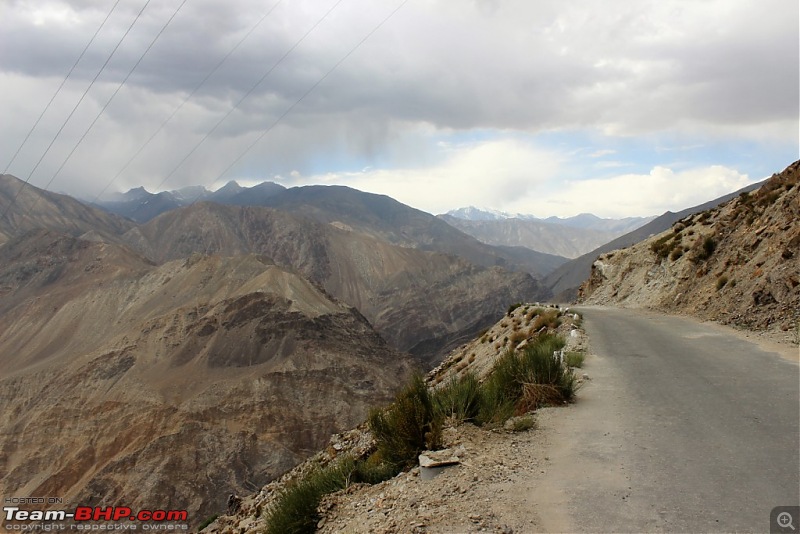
(618, 108)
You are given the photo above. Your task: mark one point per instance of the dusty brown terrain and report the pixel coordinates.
(38, 209)
(464, 498)
(171, 386)
(738, 264)
(422, 302)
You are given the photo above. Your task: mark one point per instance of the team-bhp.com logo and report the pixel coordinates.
(85, 516)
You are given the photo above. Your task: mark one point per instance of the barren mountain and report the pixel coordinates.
(35, 208)
(170, 386)
(419, 301)
(738, 263)
(140, 205)
(556, 239)
(386, 219)
(565, 280)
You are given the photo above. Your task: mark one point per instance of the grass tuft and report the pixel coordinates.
(408, 426)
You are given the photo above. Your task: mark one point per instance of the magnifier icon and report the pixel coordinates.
(785, 520)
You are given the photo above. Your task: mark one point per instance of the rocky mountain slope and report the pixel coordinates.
(565, 280)
(462, 499)
(582, 220)
(422, 302)
(377, 216)
(170, 386)
(556, 239)
(36, 209)
(738, 263)
(140, 205)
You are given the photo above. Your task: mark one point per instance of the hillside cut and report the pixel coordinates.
(737, 264)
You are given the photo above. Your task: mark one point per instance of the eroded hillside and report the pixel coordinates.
(170, 386)
(738, 264)
(422, 302)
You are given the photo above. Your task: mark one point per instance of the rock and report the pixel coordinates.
(438, 458)
(234, 503)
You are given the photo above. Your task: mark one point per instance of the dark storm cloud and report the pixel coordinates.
(621, 68)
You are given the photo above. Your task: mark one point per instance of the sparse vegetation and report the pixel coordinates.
(518, 337)
(520, 382)
(513, 307)
(547, 318)
(707, 249)
(408, 426)
(522, 423)
(664, 245)
(207, 522)
(574, 358)
(459, 399)
(721, 281)
(525, 380)
(295, 509)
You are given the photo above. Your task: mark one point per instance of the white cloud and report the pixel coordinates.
(688, 72)
(516, 177)
(661, 190)
(492, 173)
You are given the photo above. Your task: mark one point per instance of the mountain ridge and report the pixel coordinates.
(736, 263)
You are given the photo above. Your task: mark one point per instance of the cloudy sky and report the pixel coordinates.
(620, 108)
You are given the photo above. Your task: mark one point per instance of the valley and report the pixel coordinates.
(259, 330)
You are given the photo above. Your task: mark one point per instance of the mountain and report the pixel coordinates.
(384, 218)
(420, 301)
(36, 209)
(559, 240)
(251, 196)
(471, 213)
(583, 220)
(593, 222)
(566, 279)
(171, 363)
(171, 386)
(736, 263)
(140, 205)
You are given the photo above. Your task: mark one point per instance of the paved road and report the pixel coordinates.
(684, 427)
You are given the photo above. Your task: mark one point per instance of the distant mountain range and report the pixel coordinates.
(582, 220)
(569, 237)
(566, 279)
(736, 263)
(254, 321)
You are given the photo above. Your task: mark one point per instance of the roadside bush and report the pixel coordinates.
(663, 246)
(574, 358)
(518, 337)
(408, 426)
(721, 281)
(458, 399)
(547, 318)
(708, 248)
(525, 380)
(522, 423)
(513, 307)
(207, 522)
(295, 509)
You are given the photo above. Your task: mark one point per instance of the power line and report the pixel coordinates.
(25, 183)
(247, 94)
(64, 81)
(186, 99)
(335, 66)
(122, 83)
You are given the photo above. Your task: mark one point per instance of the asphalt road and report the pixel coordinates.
(683, 427)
